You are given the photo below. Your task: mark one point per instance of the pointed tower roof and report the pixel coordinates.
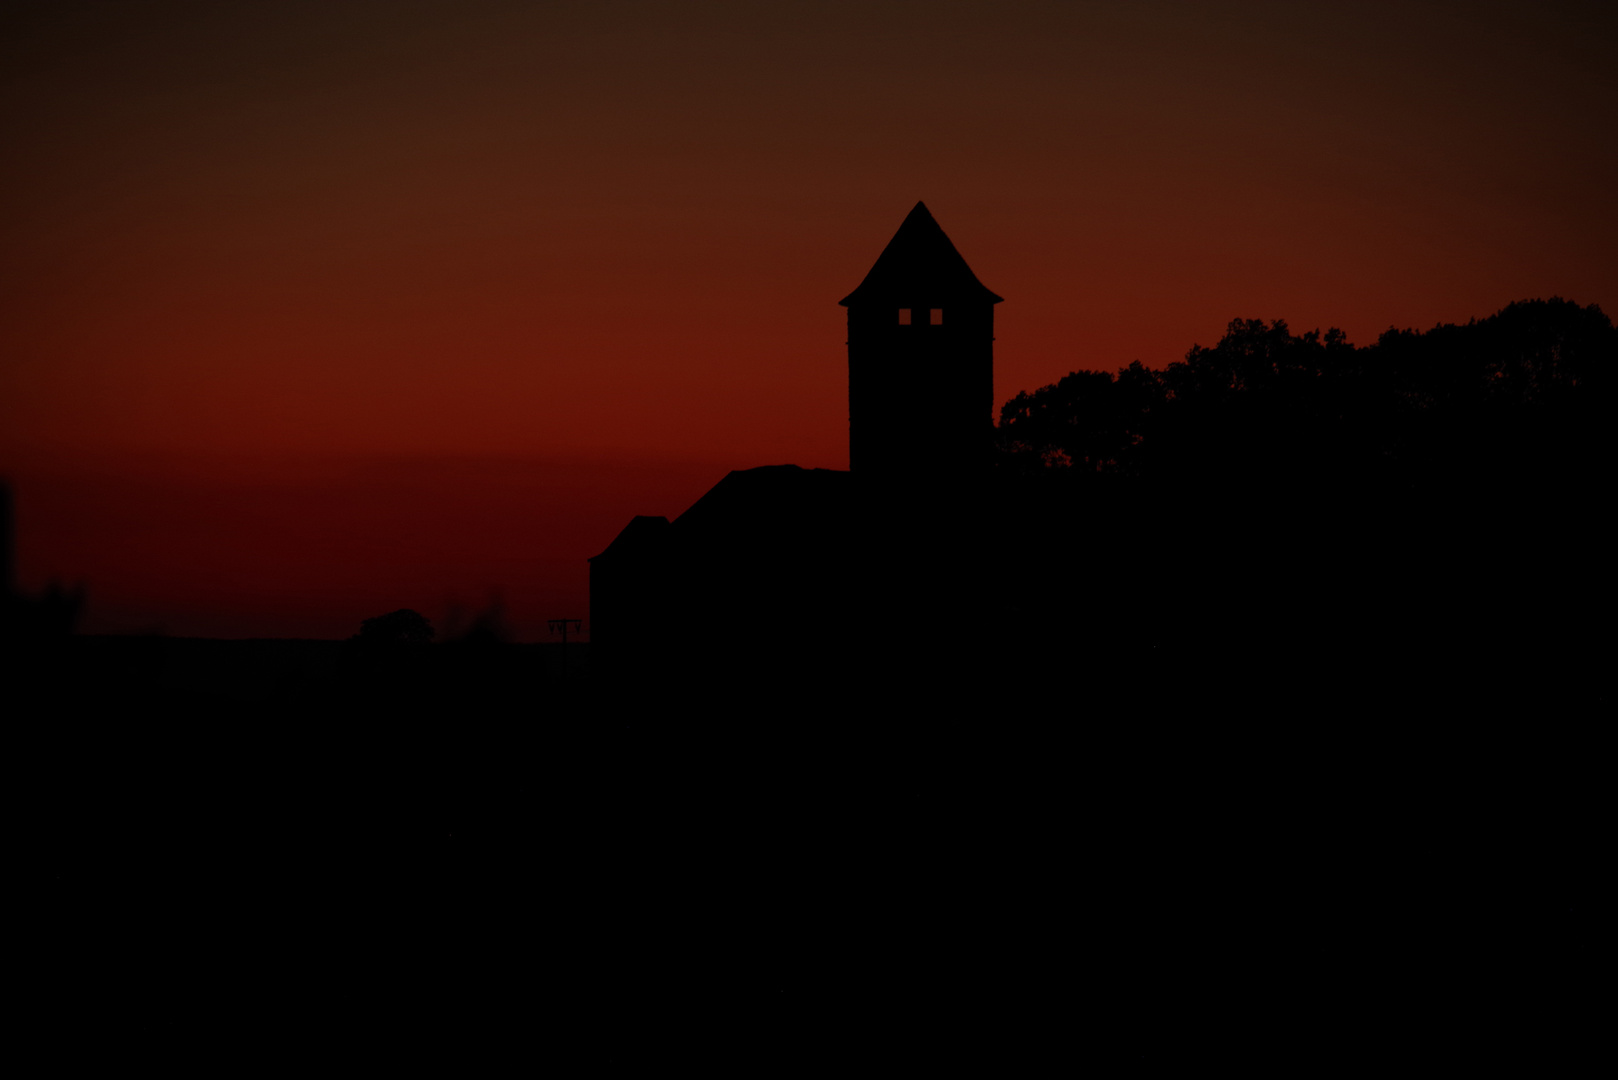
(919, 263)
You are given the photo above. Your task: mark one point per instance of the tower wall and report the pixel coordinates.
(920, 396)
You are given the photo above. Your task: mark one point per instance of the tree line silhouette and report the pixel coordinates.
(1415, 519)
(1521, 393)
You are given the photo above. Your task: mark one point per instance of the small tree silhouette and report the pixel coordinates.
(389, 650)
(402, 627)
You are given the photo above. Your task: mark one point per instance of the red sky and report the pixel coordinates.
(312, 310)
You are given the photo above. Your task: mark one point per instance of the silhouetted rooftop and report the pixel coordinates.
(643, 531)
(775, 493)
(796, 504)
(919, 264)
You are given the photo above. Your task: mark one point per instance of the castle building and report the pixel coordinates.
(775, 558)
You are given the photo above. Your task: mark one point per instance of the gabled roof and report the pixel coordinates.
(795, 506)
(643, 533)
(919, 263)
(768, 497)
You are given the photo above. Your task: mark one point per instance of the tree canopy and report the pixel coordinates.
(1521, 386)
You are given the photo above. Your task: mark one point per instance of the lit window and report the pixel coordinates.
(904, 316)
(936, 316)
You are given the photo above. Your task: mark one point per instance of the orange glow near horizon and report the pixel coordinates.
(311, 311)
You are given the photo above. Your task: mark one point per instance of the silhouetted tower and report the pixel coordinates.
(920, 357)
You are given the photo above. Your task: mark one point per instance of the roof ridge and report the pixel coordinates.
(920, 264)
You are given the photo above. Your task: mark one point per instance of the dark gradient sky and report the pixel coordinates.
(312, 310)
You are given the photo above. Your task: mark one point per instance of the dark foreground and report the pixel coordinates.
(480, 860)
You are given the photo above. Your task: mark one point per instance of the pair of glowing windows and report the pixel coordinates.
(921, 316)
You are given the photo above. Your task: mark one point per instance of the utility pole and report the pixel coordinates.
(560, 626)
